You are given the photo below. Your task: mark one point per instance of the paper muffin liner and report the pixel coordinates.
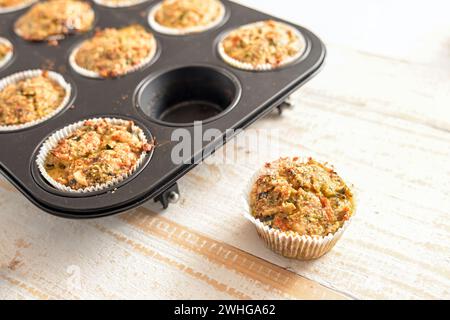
(63, 133)
(261, 67)
(119, 3)
(9, 55)
(291, 244)
(182, 31)
(93, 74)
(18, 7)
(16, 77)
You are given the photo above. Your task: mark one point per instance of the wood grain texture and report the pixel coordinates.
(379, 111)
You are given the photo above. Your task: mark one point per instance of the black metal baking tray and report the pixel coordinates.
(182, 61)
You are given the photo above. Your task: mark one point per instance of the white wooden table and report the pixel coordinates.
(379, 110)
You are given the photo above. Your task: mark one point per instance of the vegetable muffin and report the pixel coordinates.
(184, 14)
(95, 153)
(53, 19)
(265, 43)
(5, 49)
(29, 100)
(115, 52)
(306, 198)
(5, 4)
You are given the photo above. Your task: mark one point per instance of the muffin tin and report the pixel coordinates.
(187, 74)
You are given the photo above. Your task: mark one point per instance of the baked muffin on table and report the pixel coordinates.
(300, 207)
(186, 16)
(31, 99)
(54, 19)
(93, 154)
(13, 5)
(114, 52)
(263, 45)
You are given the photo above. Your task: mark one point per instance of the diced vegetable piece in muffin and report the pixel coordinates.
(182, 14)
(307, 198)
(96, 153)
(114, 52)
(263, 43)
(54, 19)
(29, 100)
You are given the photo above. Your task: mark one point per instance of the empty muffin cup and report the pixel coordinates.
(93, 155)
(20, 76)
(183, 95)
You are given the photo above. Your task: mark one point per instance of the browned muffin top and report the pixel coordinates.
(182, 14)
(114, 52)
(29, 100)
(263, 43)
(302, 197)
(95, 153)
(55, 19)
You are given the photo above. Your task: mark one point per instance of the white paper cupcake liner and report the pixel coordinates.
(9, 55)
(119, 4)
(261, 67)
(54, 139)
(290, 244)
(178, 32)
(93, 74)
(18, 7)
(14, 78)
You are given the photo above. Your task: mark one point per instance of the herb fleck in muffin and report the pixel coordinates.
(5, 49)
(262, 45)
(96, 153)
(55, 19)
(29, 100)
(114, 52)
(305, 198)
